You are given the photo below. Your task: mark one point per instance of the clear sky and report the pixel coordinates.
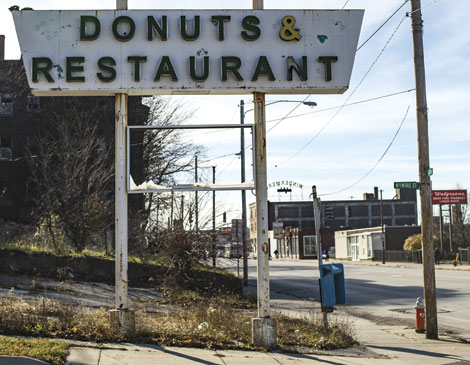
(332, 148)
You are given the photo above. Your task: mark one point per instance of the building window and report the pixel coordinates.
(6, 104)
(33, 103)
(351, 241)
(5, 148)
(370, 253)
(310, 245)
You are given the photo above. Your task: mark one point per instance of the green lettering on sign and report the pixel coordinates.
(192, 69)
(125, 36)
(250, 24)
(220, 20)
(406, 185)
(105, 64)
(42, 65)
(327, 60)
(263, 69)
(197, 28)
(231, 64)
(160, 28)
(166, 69)
(137, 60)
(71, 67)
(87, 19)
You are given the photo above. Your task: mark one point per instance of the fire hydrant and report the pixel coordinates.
(419, 316)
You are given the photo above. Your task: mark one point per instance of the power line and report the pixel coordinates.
(347, 99)
(346, 3)
(340, 106)
(287, 115)
(382, 25)
(379, 160)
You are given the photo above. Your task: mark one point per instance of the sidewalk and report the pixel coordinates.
(445, 266)
(383, 345)
(380, 344)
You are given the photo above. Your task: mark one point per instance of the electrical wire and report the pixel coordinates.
(347, 99)
(339, 106)
(382, 25)
(287, 115)
(390, 17)
(378, 161)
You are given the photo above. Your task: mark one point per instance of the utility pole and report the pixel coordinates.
(196, 196)
(171, 209)
(213, 218)
(182, 208)
(242, 158)
(450, 227)
(317, 220)
(441, 235)
(382, 224)
(424, 179)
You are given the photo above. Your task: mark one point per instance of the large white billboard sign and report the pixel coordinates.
(144, 52)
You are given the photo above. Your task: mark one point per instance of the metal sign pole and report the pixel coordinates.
(264, 327)
(122, 318)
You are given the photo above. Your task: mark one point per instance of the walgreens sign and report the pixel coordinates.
(449, 196)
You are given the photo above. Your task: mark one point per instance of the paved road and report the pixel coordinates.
(385, 294)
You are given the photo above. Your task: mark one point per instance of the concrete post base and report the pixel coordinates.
(264, 332)
(123, 321)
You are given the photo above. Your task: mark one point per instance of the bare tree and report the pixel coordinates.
(73, 174)
(165, 153)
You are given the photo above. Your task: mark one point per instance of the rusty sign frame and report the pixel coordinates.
(187, 187)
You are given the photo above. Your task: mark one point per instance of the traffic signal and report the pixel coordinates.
(349, 212)
(224, 217)
(329, 213)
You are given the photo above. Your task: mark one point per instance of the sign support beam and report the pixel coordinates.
(264, 327)
(122, 318)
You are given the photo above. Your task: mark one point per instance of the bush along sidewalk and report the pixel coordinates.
(182, 318)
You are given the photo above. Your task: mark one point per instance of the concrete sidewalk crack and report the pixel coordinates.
(220, 356)
(99, 357)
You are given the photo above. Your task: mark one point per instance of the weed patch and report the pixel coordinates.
(186, 319)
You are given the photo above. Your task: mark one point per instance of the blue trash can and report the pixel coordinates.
(332, 287)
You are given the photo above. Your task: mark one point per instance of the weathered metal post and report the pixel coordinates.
(264, 327)
(122, 318)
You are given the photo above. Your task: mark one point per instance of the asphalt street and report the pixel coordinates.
(382, 293)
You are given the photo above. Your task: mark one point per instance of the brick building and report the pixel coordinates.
(298, 239)
(21, 113)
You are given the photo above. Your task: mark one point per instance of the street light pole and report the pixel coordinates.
(242, 158)
(213, 219)
(382, 224)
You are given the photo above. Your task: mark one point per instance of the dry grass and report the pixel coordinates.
(192, 320)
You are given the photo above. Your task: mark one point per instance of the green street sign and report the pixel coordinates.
(429, 172)
(406, 185)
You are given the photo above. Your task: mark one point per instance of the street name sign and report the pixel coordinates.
(145, 52)
(449, 196)
(406, 185)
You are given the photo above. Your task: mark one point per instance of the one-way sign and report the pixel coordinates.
(406, 185)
